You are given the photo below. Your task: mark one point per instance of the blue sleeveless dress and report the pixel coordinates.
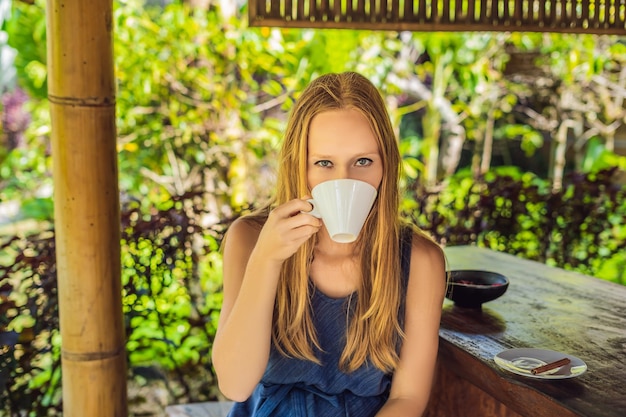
(298, 388)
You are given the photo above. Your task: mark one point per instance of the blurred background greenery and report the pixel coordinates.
(512, 141)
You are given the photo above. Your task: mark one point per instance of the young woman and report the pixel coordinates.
(311, 327)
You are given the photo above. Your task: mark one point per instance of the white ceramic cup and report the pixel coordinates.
(343, 205)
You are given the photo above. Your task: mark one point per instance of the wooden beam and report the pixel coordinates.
(605, 17)
(81, 89)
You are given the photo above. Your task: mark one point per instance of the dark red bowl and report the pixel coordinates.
(472, 288)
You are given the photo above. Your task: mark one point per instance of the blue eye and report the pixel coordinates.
(363, 162)
(324, 163)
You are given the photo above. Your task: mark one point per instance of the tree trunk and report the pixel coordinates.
(485, 162)
(81, 89)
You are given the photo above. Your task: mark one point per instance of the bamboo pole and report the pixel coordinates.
(81, 91)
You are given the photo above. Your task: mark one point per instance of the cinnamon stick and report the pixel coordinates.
(549, 366)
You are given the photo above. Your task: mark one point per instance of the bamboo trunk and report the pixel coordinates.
(81, 90)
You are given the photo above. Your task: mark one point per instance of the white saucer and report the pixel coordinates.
(522, 361)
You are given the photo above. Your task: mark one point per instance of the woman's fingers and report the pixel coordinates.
(291, 208)
(287, 228)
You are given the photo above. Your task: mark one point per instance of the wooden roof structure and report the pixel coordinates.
(567, 16)
(81, 88)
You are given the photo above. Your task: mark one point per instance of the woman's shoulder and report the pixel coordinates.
(425, 248)
(428, 265)
(420, 239)
(249, 222)
(245, 229)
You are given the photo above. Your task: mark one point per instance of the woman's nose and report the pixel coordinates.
(341, 173)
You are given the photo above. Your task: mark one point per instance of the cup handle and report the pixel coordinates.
(314, 212)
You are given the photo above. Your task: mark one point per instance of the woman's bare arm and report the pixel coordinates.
(412, 380)
(251, 265)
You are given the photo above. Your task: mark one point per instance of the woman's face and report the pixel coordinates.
(342, 145)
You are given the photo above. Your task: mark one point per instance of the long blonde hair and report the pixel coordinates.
(374, 332)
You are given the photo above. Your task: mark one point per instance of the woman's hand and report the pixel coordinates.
(287, 227)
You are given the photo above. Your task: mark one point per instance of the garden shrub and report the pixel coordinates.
(171, 276)
(580, 227)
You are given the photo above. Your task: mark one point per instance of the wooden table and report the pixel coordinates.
(544, 307)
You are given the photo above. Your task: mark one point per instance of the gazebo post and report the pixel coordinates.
(81, 91)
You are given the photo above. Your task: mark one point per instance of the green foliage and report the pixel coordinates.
(171, 296)
(171, 300)
(599, 158)
(27, 34)
(25, 163)
(201, 100)
(579, 227)
(29, 337)
(24, 146)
